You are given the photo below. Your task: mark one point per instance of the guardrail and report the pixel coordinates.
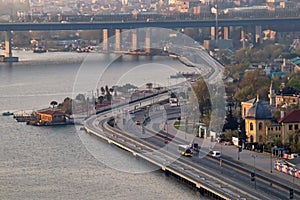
(165, 168)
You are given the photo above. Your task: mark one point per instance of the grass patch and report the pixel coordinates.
(189, 129)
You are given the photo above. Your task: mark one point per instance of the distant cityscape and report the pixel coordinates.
(48, 10)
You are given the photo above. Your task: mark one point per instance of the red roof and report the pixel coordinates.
(51, 112)
(292, 117)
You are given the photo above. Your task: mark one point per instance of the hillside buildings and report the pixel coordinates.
(262, 127)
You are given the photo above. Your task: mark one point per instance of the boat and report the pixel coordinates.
(7, 113)
(39, 50)
(183, 75)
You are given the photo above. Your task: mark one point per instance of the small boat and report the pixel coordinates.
(39, 50)
(7, 113)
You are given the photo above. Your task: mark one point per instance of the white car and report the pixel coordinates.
(215, 154)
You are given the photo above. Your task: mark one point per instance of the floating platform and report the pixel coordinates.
(9, 59)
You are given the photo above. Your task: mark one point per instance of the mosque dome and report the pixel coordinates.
(259, 110)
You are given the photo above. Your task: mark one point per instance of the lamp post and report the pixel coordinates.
(271, 154)
(254, 156)
(217, 24)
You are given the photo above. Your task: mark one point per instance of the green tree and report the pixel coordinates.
(202, 96)
(294, 82)
(53, 103)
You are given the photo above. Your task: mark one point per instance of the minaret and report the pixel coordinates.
(272, 95)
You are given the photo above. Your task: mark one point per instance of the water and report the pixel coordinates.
(51, 162)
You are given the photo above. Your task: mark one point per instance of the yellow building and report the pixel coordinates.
(290, 125)
(261, 127)
(51, 116)
(288, 100)
(257, 117)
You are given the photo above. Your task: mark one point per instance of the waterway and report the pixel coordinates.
(52, 162)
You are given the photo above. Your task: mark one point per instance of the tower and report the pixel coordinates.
(272, 95)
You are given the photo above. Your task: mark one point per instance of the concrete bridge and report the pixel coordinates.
(217, 26)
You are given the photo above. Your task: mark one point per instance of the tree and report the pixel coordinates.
(81, 98)
(53, 103)
(102, 90)
(66, 105)
(294, 82)
(252, 84)
(202, 96)
(149, 85)
(231, 122)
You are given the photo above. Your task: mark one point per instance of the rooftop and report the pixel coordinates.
(292, 117)
(259, 110)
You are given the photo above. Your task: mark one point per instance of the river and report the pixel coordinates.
(52, 162)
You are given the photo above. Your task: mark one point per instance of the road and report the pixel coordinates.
(229, 154)
(199, 165)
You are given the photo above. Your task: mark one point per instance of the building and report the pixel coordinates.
(290, 125)
(50, 116)
(262, 128)
(287, 100)
(257, 117)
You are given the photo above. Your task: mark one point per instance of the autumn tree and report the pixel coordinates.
(201, 94)
(252, 84)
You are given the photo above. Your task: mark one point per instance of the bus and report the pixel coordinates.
(185, 150)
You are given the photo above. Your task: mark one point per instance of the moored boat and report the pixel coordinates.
(7, 113)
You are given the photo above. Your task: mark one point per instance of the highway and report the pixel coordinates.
(202, 170)
(238, 173)
(157, 142)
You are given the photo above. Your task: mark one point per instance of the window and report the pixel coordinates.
(260, 126)
(251, 126)
(290, 127)
(244, 111)
(296, 127)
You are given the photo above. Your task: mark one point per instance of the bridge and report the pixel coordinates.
(217, 25)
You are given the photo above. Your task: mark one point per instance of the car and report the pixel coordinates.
(215, 154)
(137, 122)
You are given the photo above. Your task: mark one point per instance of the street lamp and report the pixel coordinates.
(271, 154)
(254, 156)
